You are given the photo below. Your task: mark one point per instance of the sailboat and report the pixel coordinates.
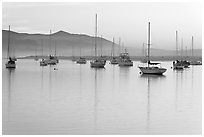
(194, 62)
(151, 69)
(51, 60)
(73, 57)
(143, 59)
(43, 61)
(55, 57)
(36, 57)
(81, 60)
(114, 59)
(97, 63)
(11, 61)
(102, 58)
(178, 63)
(185, 63)
(124, 59)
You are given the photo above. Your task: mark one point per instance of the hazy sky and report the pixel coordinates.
(125, 20)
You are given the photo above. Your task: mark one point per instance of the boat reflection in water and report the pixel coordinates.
(150, 79)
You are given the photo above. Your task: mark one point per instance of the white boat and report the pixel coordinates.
(97, 63)
(196, 63)
(11, 60)
(81, 60)
(124, 59)
(151, 68)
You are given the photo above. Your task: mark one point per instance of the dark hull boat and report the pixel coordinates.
(178, 65)
(10, 64)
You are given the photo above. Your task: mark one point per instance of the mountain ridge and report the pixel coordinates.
(68, 44)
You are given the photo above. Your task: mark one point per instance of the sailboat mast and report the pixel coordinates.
(96, 36)
(182, 47)
(101, 45)
(42, 46)
(119, 47)
(8, 42)
(80, 52)
(50, 41)
(177, 44)
(35, 51)
(148, 42)
(123, 47)
(192, 47)
(143, 50)
(113, 47)
(72, 51)
(55, 48)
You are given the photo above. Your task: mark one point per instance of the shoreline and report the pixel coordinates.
(133, 58)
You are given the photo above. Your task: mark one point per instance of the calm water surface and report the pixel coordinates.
(75, 99)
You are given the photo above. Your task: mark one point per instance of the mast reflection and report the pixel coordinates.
(150, 78)
(10, 73)
(95, 99)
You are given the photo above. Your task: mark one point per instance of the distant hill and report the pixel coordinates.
(24, 44)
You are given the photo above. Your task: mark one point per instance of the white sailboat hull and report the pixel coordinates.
(152, 70)
(196, 63)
